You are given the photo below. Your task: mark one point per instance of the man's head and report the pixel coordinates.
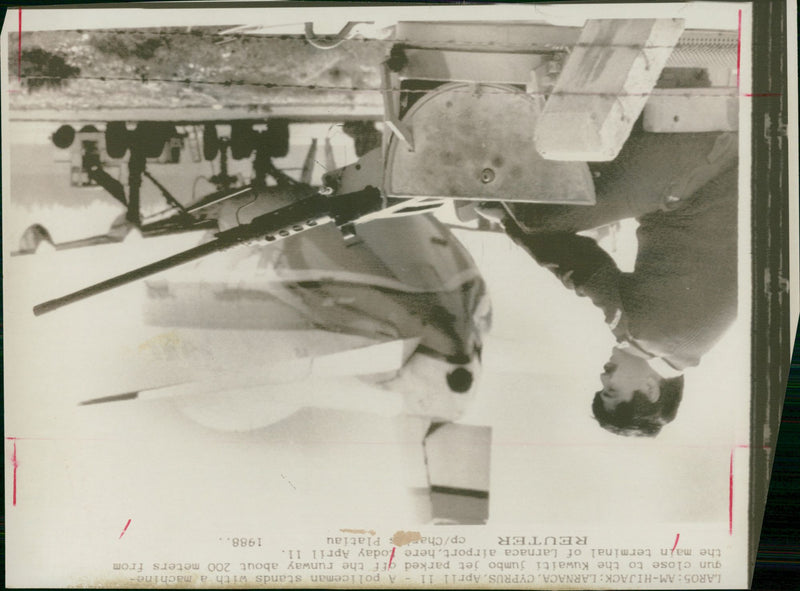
(635, 400)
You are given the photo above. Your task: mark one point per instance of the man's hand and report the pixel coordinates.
(581, 265)
(571, 257)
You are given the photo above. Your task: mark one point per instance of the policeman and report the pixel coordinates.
(682, 294)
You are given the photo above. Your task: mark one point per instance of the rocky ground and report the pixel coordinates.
(186, 67)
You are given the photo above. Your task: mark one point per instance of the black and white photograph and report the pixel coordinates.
(416, 296)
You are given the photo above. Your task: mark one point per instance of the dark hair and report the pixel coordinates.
(639, 416)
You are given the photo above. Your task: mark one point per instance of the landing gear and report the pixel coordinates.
(243, 139)
(146, 141)
(275, 141)
(63, 137)
(213, 145)
(117, 139)
(210, 141)
(272, 143)
(222, 179)
(150, 137)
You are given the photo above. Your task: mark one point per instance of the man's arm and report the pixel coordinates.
(579, 263)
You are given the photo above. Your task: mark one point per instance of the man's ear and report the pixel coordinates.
(652, 388)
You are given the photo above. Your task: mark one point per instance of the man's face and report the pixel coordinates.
(623, 375)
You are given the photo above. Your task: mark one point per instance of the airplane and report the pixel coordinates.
(520, 98)
(394, 314)
(361, 254)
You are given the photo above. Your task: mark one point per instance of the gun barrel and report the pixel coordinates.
(129, 277)
(284, 222)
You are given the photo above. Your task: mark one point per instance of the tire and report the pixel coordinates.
(275, 141)
(150, 137)
(63, 137)
(116, 139)
(242, 140)
(210, 141)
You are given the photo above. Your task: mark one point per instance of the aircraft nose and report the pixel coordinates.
(460, 380)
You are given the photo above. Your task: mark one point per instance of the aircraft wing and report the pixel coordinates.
(446, 465)
(386, 357)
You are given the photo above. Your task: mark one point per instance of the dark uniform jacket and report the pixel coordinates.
(682, 294)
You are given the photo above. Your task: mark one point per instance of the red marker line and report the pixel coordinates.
(124, 529)
(19, 47)
(763, 94)
(730, 498)
(15, 464)
(675, 545)
(390, 559)
(739, 50)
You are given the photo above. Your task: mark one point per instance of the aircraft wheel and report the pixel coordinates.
(275, 141)
(151, 137)
(116, 139)
(36, 239)
(242, 140)
(63, 137)
(210, 141)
